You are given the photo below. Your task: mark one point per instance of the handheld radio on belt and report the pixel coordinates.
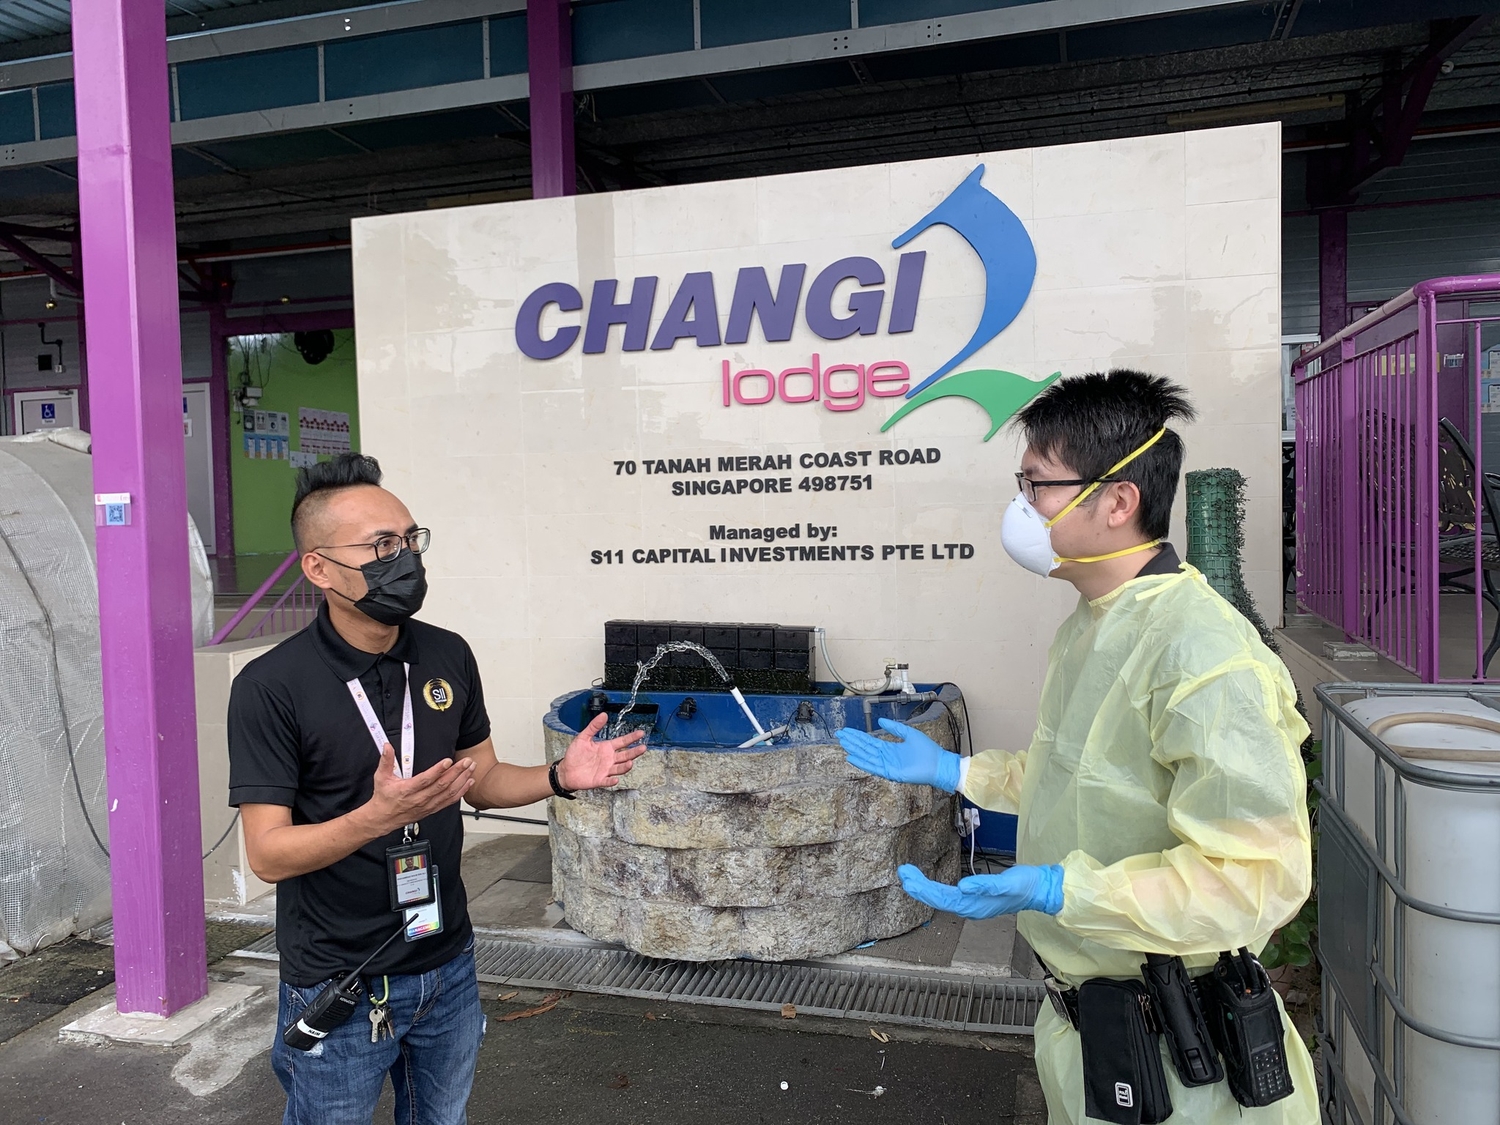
(334, 1005)
(1246, 1026)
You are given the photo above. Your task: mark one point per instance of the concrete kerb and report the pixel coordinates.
(105, 1025)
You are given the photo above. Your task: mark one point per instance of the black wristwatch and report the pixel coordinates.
(557, 788)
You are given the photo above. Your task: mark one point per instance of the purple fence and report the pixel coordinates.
(292, 610)
(1393, 505)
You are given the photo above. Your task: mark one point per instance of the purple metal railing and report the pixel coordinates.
(295, 608)
(1370, 403)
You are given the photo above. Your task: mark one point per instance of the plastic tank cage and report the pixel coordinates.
(1409, 904)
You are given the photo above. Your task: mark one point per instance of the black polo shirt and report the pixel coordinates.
(296, 739)
(1164, 561)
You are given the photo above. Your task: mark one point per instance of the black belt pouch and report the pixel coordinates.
(1123, 1078)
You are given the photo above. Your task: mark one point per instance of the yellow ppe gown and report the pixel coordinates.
(1165, 777)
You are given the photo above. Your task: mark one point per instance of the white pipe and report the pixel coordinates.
(745, 707)
(765, 736)
(857, 687)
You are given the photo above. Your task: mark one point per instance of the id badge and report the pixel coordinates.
(408, 869)
(424, 921)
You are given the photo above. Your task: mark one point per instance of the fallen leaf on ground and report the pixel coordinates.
(548, 1003)
(650, 1015)
(882, 1036)
(509, 996)
(789, 1011)
(620, 1082)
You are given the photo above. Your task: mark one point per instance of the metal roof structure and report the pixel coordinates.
(292, 116)
(36, 19)
(40, 27)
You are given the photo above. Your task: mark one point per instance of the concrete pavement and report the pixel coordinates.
(590, 1058)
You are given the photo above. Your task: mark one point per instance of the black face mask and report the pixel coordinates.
(395, 589)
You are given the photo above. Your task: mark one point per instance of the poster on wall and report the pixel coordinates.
(785, 398)
(322, 431)
(267, 435)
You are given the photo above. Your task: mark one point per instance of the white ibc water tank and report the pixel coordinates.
(54, 876)
(1450, 969)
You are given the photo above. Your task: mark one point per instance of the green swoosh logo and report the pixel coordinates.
(999, 393)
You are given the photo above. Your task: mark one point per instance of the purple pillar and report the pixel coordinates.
(145, 621)
(1333, 272)
(549, 55)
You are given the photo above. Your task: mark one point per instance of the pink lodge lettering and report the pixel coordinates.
(841, 387)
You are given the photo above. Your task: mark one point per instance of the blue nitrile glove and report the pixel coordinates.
(915, 759)
(985, 896)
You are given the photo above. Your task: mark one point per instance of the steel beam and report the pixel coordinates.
(1381, 131)
(1333, 272)
(549, 57)
(11, 240)
(129, 249)
(372, 107)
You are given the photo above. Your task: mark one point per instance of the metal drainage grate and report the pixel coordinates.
(922, 999)
(262, 948)
(817, 990)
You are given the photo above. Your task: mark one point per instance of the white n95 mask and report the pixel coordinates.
(1027, 538)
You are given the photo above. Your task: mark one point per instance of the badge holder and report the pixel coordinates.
(408, 870)
(413, 881)
(425, 921)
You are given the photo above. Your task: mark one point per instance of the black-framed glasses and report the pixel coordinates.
(388, 547)
(1029, 487)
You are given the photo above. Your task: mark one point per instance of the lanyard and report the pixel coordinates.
(377, 731)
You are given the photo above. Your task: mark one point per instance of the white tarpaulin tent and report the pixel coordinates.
(54, 872)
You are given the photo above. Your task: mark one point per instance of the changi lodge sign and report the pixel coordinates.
(774, 399)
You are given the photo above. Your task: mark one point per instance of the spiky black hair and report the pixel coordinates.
(318, 481)
(1090, 422)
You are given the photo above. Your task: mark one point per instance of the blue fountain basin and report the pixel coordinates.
(714, 723)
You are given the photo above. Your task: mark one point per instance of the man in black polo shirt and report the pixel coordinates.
(350, 746)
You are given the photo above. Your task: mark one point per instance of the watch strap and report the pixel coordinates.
(565, 794)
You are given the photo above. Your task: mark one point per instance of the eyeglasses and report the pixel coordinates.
(1029, 487)
(388, 547)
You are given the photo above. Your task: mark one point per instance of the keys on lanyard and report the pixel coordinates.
(380, 1015)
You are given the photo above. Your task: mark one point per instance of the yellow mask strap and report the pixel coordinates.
(1114, 554)
(1089, 491)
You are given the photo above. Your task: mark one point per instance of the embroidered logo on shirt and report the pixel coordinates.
(438, 694)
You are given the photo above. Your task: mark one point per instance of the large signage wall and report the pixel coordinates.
(781, 399)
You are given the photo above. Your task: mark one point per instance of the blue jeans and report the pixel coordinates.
(438, 1026)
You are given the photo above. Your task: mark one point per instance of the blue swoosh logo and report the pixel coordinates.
(1005, 250)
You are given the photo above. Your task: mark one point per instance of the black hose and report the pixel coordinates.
(233, 821)
(477, 815)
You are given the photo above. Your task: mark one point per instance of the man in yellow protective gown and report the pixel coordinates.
(1162, 800)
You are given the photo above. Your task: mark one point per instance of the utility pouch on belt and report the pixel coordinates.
(1246, 1026)
(1123, 1078)
(1180, 1014)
